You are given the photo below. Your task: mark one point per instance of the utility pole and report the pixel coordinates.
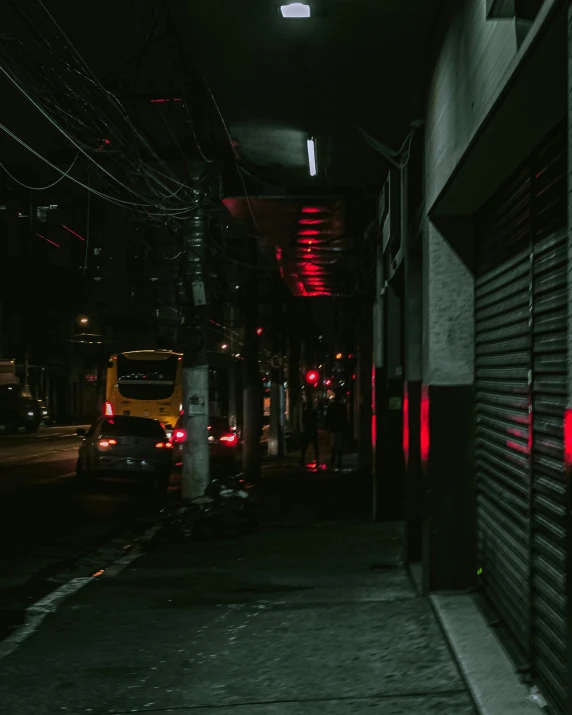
(252, 400)
(196, 463)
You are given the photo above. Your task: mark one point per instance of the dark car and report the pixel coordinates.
(133, 447)
(19, 409)
(223, 442)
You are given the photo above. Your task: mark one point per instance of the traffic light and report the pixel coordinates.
(312, 377)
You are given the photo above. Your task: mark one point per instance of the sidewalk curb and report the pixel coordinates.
(28, 620)
(484, 665)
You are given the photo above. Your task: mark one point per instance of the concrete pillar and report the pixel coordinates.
(449, 544)
(364, 387)
(413, 335)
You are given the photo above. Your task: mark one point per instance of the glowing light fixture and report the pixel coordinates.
(312, 157)
(295, 10)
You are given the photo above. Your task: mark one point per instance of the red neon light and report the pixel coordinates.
(308, 232)
(310, 221)
(406, 424)
(311, 210)
(568, 438)
(425, 426)
(74, 233)
(57, 245)
(228, 439)
(160, 101)
(259, 331)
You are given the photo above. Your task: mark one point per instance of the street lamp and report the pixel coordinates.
(83, 320)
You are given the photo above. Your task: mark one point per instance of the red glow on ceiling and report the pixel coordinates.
(48, 240)
(74, 233)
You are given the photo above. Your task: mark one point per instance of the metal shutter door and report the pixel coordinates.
(502, 439)
(549, 392)
(521, 297)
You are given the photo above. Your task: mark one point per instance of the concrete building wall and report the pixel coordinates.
(470, 71)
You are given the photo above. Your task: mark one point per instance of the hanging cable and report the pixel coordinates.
(64, 175)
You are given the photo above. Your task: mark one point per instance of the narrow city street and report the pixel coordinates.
(49, 525)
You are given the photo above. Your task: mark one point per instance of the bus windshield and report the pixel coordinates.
(146, 379)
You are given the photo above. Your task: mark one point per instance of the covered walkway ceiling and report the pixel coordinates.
(307, 236)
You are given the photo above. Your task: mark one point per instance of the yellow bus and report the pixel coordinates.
(145, 383)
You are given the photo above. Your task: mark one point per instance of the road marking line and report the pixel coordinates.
(37, 612)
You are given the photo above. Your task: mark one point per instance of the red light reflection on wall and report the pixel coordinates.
(406, 424)
(568, 439)
(424, 442)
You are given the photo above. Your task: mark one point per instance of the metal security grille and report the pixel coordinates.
(521, 384)
(502, 439)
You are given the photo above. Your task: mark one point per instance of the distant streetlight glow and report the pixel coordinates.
(312, 157)
(339, 356)
(295, 10)
(224, 347)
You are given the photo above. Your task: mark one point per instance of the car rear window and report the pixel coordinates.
(219, 424)
(132, 427)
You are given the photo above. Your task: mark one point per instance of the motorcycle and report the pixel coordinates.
(225, 509)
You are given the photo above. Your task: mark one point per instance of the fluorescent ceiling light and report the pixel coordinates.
(295, 9)
(312, 157)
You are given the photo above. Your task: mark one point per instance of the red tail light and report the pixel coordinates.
(106, 443)
(108, 409)
(228, 439)
(179, 435)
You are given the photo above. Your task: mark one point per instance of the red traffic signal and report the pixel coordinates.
(312, 377)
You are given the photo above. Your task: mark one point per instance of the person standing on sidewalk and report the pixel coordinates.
(336, 424)
(309, 433)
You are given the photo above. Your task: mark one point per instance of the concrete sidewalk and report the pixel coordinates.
(312, 615)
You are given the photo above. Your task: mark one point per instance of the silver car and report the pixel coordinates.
(132, 447)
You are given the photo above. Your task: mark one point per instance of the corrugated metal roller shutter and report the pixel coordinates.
(521, 387)
(502, 363)
(549, 391)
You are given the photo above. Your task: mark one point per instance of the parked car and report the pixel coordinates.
(132, 447)
(223, 442)
(47, 418)
(18, 408)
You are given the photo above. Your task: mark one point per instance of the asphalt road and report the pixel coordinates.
(49, 524)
